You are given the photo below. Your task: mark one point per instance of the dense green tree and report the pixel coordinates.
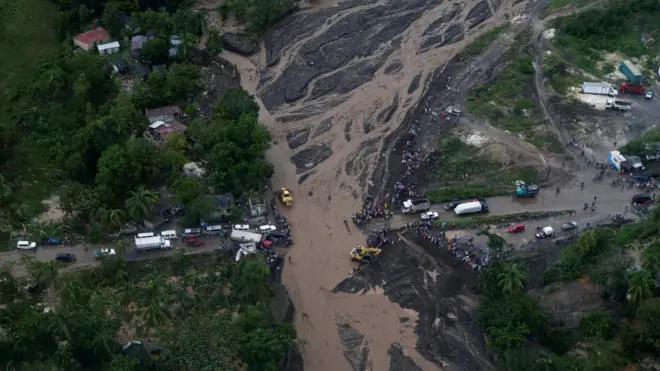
(187, 189)
(597, 325)
(111, 19)
(156, 51)
(183, 81)
(188, 21)
(199, 209)
(641, 285)
(136, 163)
(252, 285)
(234, 103)
(213, 45)
(202, 342)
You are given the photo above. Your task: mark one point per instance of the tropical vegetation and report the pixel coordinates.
(203, 314)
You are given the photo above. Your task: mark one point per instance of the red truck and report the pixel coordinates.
(628, 87)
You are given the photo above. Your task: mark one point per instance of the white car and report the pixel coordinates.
(26, 245)
(430, 215)
(104, 252)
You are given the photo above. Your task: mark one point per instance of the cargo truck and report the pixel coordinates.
(415, 206)
(631, 72)
(627, 87)
(245, 236)
(618, 105)
(472, 207)
(152, 243)
(599, 88)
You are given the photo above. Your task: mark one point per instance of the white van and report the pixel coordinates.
(267, 228)
(168, 235)
(241, 227)
(191, 232)
(213, 230)
(145, 235)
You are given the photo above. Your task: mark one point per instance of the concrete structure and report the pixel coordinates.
(109, 48)
(87, 40)
(137, 42)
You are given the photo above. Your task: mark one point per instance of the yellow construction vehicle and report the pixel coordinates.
(286, 197)
(363, 254)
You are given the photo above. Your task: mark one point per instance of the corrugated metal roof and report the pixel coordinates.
(632, 67)
(112, 45)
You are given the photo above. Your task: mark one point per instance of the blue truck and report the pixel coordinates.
(631, 72)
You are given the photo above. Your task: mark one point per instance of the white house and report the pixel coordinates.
(109, 48)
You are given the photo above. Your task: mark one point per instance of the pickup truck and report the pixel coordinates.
(545, 232)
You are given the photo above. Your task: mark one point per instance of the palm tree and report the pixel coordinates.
(511, 279)
(115, 218)
(156, 314)
(141, 203)
(640, 286)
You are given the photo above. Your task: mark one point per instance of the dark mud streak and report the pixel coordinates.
(414, 84)
(356, 349)
(478, 14)
(324, 127)
(347, 131)
(310, 157)
(349, 78)
(394, 67)
(297, 138)
(399, 361)
(306, 176)
(444, 326)
(386, 115)
(292, 118)
(446, 17)
(340, 44)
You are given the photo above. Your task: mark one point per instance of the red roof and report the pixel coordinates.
(93, 36)
(171, 127)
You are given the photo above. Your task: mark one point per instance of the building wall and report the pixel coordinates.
(81, 45)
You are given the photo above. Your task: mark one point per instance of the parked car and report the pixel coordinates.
(516, 228)
(430, 215)
(26, 245)
(194, 241)
(569, 225)
(452, 205)
(641, 199)
(104, 252)
(51, 241)
(191, 232)
(545, 232)
(66, 258)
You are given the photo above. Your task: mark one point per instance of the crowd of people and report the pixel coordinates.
(462, 248)
(282, 224)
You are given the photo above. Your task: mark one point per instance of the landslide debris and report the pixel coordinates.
(356, 349)
(240, 44)
(311, 156)
(297, 138)
(339, 48)
(478, 14)
(426, 279)
(399, 361)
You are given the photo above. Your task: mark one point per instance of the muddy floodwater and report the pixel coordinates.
(333, 82)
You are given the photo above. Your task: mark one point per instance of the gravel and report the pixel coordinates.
(385, 115)
(394, 67)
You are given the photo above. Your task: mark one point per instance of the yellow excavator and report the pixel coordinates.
(363, 254)
(286, 197)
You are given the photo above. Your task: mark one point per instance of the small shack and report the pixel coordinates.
(109, 48)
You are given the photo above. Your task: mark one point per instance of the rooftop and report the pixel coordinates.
(165, 110)
(112, 45)
(93, 36)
